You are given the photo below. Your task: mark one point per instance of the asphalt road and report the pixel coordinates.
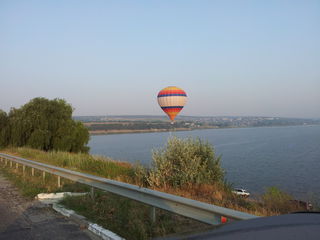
(28, 220)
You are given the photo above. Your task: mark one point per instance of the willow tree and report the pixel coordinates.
(47, 125)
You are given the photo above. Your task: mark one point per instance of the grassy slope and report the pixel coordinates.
(107, 207)
(96, 165)
(128, 218)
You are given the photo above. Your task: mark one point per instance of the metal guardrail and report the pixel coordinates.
(200, 211)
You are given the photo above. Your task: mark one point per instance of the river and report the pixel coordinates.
(254, 158)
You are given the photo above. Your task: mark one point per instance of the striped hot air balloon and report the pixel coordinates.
(172, 100)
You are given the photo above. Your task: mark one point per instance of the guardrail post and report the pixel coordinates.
(6, 162)
(17, 165)
(153, 214)
(23, 169)
(59, 181)
(43, 175)
(11, 164)
(32, 171)
(92, 193)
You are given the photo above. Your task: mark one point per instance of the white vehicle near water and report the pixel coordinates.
(241, 192)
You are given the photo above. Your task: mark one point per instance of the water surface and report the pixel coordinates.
(254, 158)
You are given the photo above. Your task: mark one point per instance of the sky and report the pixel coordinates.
(233, 58)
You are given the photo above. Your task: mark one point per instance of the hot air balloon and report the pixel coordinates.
(172, 100)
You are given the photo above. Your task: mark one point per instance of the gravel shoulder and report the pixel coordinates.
(21, 218)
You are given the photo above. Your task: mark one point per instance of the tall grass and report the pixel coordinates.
(30, 186)
(96, 165)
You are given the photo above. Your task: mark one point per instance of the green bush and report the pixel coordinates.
(185, 161)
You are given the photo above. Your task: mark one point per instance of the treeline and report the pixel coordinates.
(43, 124)
(261, 123)
(139, 125)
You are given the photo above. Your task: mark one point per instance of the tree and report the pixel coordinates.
(47, 125)
(185, 161)
(4, 127)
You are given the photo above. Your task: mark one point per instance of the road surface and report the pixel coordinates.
(30, 220)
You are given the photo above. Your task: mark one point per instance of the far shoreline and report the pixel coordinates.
(111, 132)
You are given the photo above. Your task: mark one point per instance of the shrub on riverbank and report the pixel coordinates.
(277, 200)
(183, 162)
(190, 168)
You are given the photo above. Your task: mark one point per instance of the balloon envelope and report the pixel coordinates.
(172, 100)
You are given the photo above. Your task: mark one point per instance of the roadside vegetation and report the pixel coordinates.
(82, 162)
(131, 219)
(128, 218)
(184, 167)
(29, 186)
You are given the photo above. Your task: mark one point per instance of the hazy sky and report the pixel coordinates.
(113, 57)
